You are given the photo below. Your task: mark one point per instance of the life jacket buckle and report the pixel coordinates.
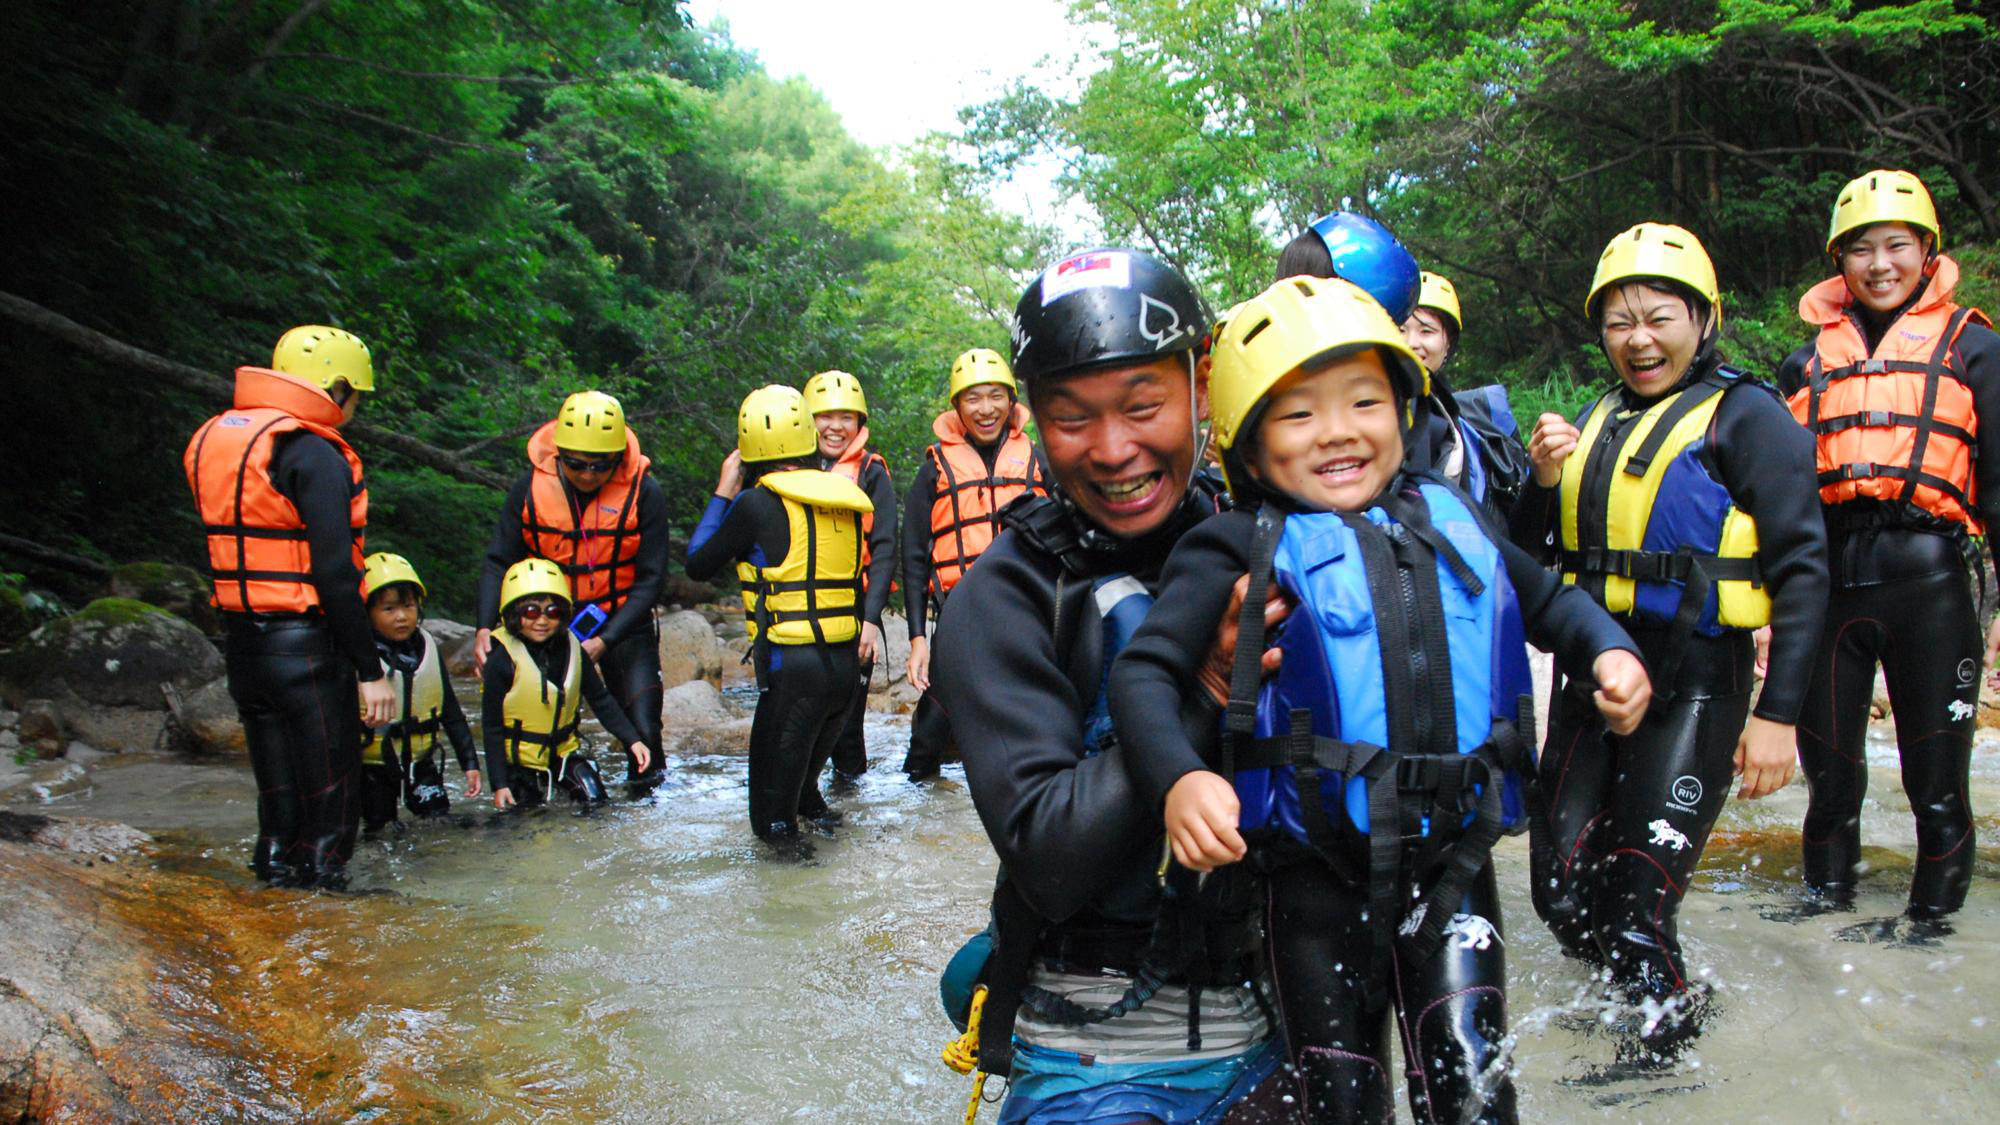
(1873, 367)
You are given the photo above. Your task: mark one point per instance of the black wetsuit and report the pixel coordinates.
(420, 784)
(1451, 1008)
(803, 691)
(850, 752)
(293, 678)
(630, 663)
(579, 773)
(1902, 596)
(1628, 816)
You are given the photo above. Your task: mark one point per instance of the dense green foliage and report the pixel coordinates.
(513, 201)
(507, 201)
(1506, 140)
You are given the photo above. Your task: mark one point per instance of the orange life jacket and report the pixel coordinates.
(600, 557)
(965, 508)
(1897, 424)
(258, 557)
(854, 461)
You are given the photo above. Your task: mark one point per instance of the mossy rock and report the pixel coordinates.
(113, 652)
(180, 590)
(16, 620)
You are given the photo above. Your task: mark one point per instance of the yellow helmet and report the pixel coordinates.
(1436, 291)
(384, 569)
(980, 365)
(772, 425)
(835, 390)
(530, 577)
(1658, 250)
(1885, 195)
(1292, 323)
(324, 355)
(591, 422)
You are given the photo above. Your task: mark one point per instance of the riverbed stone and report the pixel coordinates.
(696, 703)
(57, 778)
(894, 664)
(689, 649)
(210, 718)
(42, 728)
(115, 652)
(180, 590)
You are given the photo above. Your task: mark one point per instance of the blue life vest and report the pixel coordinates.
(1122, 602)
(1333, 662)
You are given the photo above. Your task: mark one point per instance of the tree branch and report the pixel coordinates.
(117, 352)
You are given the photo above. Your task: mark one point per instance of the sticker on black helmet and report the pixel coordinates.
(1102, 269)
(1161, 322)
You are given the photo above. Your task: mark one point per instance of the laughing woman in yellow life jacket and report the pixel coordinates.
(840, 417)
(588, 505)
(1901, 393)
(1682, 500)
(400, 760)
(795, 535)
(536, 679)
(281, 498)
(980, 463)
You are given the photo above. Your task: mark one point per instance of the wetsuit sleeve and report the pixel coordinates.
(881, 542)
(452, 717)
(917, 546)
(1765, 460)
(649, 567)
(1792, 372)
(504, 550)
(498, 677)
(313, 475)
(1562, 619)
(1979, 358)
(605, 706)
(752, 528)
(1062, 824)
(1152, 680)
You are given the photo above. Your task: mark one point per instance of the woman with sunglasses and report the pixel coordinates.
(536, 680)
(587, 504)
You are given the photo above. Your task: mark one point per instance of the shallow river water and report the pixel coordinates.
(649, 964)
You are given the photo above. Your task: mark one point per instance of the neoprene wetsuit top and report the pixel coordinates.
(312, 474)
(754, 528)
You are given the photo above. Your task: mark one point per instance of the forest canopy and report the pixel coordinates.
(512, 201)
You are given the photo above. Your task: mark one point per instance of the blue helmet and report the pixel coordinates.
(1365, 253)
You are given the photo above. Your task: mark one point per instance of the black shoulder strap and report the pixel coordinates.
(1247, 669)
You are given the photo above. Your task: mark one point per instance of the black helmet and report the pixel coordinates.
(1104, 306)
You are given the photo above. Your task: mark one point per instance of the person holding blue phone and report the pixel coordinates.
(588, 505)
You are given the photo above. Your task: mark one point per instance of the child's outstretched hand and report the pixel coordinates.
(503, 797)
(1201, 821)
(641, 756)
(472, 784)
(1623, 689)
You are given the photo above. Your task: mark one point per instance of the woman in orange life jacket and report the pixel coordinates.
(1682, 501)
(839, 412)
(1901, 392)
(588, 505)
(281, 498)
(980, 463)
(794, 533)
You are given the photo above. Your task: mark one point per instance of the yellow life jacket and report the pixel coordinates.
(1645, 527)
(540, 716)
(813, 594)
(419, 707)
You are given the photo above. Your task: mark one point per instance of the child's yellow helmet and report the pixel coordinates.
(385, 569)
(530, 577)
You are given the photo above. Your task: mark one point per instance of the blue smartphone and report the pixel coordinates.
(587, 622)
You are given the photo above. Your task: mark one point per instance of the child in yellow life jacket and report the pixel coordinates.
(401, 758)
(536, 680)
(1374, 771)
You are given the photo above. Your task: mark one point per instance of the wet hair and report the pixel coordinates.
(1697, 305)
(753, 471)
(414, 592)
(1304, 256)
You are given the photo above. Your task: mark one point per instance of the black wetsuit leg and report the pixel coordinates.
(631, 669)
(301, 716)
(930, 734)
(850, 751)
(805, 688)
(381, 785)
(1630, 814)
(1925, 632)
(580, 778)
(841, 660)
(1452, 1008)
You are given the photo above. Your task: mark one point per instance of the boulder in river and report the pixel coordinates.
(40, 727)
(114, 652)
(689, 649)
(180, 590)
(454, 643)
(209, 717)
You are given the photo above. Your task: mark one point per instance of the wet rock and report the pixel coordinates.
(84, 754)
(115, 652)
(42, 729)
(689, 649)
(895, 664)
(680, 590)
(180, 590)
(10, 741)
(209, 717)
(9, 719)
(454, 643)
(899, 699)
(70, 834)
(57, 778)
(696, 703)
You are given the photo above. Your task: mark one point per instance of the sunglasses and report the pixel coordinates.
(535, 611)
(590, 464)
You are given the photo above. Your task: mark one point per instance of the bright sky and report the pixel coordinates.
(897, 69)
